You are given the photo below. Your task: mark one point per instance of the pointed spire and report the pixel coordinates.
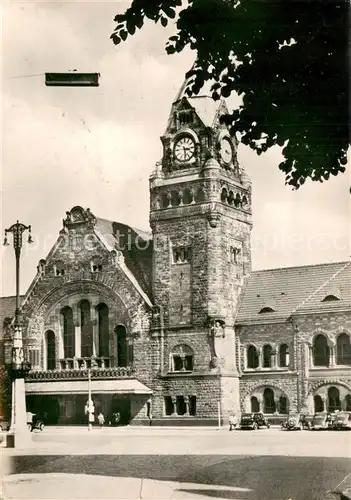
(181, 92)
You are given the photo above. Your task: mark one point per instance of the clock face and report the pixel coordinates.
(184, 149)
(226, 150)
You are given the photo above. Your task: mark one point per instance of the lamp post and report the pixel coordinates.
(19, 367)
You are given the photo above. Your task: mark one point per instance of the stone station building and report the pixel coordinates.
(174, 324)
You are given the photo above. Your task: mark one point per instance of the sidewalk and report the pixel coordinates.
(88, 487)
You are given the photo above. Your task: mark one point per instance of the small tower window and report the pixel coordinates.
(59, 270)
(181, 255)
(234, 255)
(185, 117)
(95, 266)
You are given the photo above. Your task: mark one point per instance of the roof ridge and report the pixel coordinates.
(320, 287)
(300, 267)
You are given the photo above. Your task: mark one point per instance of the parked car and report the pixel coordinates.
(34, 422)
(321, 421)
(253, 421)
(296, 421)
(4, 424)
(342, 420)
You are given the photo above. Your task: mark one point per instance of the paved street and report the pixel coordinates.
(179, 464)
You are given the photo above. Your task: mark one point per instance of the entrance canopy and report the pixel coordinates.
(128, 386)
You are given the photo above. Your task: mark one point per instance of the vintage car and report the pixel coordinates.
(321, 421)
(296, 422)
(253, 421)
(342, 420)
(34, 422)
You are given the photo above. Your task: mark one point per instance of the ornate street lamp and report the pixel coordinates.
(19, 367)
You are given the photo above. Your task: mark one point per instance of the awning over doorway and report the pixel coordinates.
(129, 386)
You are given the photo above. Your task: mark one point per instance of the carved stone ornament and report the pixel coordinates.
(78, 216)
(214, 363)
(217, 328)
(213, 216)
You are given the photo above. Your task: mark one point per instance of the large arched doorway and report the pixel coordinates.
(333, 399)
(255, 405)
(268, 401)
(318, 403)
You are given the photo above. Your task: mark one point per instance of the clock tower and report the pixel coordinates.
(200, 215)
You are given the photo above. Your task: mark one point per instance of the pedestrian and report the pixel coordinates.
(233, 421)
(101, 419)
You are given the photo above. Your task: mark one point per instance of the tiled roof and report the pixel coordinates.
(294, 290)
(136, 246)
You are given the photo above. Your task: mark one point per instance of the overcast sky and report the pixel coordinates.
(96, 147)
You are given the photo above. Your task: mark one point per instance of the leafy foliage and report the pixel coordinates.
(287, 59)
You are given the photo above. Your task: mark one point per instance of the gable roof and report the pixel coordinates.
(294, 290)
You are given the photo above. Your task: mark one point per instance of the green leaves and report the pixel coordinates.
(289, 64)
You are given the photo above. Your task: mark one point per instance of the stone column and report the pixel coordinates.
(174, 403)
(61, 351)
(95, 322)
(310, 355)
(277, 405)
(77, 332)
(260, 357)
(332, 355)
(186, 402)
(324, 398)
(260, 402)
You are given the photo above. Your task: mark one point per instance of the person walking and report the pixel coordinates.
(233, 421)
(101, 420)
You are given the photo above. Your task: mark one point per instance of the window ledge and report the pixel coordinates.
(266, 370)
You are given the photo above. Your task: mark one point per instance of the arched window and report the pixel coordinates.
(267, 356)
(103, 327)
(187, 197)
(283, 405)
(200, 196)
(252, 357)
(175, 199)
(318, 404)
(122, 349)
(343, 350)
(333, 399)
(86, 329)
(165, 200)
(182, 358)
(348, 402)
(320, 351)
(255, 405)
(50, 350)
(284, 355)
(268, 401)
(224, 195)
(68, 332)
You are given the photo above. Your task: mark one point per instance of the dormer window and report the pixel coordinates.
(330, 298)
(266, 309)
(181, 255)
